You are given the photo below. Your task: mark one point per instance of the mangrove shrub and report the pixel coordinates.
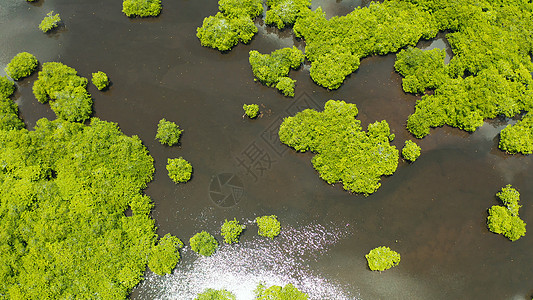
(232, 24)
(268, 226)
(203, 243)
(282, 13)
(7, 87)
(518, 138)
(141, 8)
(231, 230)
(410, 151)
(66, 90)
(382, 258)
(100, 80)
(168, 133)
(287, 292)
(22, 65)
(504, 219)
(64, 191)
(344, 152)
(251, 110)
(212, 294)
(179, 170)
(272, 69)
(165, 255)
(49, 22)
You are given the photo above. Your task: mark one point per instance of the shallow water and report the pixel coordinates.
(432, 212)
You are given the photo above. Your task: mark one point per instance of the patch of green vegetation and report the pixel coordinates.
(251, 110)
(165, 255)
(67, 90)
(64, 191)
(231, 230)
(232, 24)
(168, 133)
(518, 138)
(203, 243)
(141, 8)
(49, 22)
(487, 76)
(179, 170)
(100, 80)
(421, 69)
(382, 258)
(268, 226)
(282, 13)
(272, 69)
(9, 118)
(411, 151)
(7, 87)
(288, 292)
(335, 46)
(212, 294)
(344, 152)
(504, 219)
(22, 65)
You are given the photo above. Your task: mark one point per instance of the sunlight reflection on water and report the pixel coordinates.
(239, 268)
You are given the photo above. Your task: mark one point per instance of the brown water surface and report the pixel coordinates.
(433, 211)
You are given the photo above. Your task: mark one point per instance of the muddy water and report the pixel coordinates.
(433, 211)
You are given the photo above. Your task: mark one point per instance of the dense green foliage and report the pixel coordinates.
(22, 65)
(272, 69)
(7, 87)
(141, 8)
(268, 226)
(410, 151)
(9, 118)
(335, 46)
(168, 133)
(282, 13)
(488, 76)
(276, 292)
(179, 170)
(382, 258)
(203, 243)
(165, 255)
(67, 90)
(345, 153)
(504, 219)
(100, 80)
(212, 294)
(231, 230)
(49, 22)
(232, 24)
(251, 110)
(65, 189)
(518, 138)
(421, 69)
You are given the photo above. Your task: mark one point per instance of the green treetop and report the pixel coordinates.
(22, 65)
(212, 294)
(49, 22)
(141, 8)
(7, 87)
(518, 138)
(165, 255)
(288, 292)
(100, 80)
(231, 230)
(344, 152)
(504, 219)
(382, 258)
(272, 69)
(282, 13)
(411, 151)
(203, 243)
(168, 133)
(251, 110)
(179, 170)
(268, 226)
